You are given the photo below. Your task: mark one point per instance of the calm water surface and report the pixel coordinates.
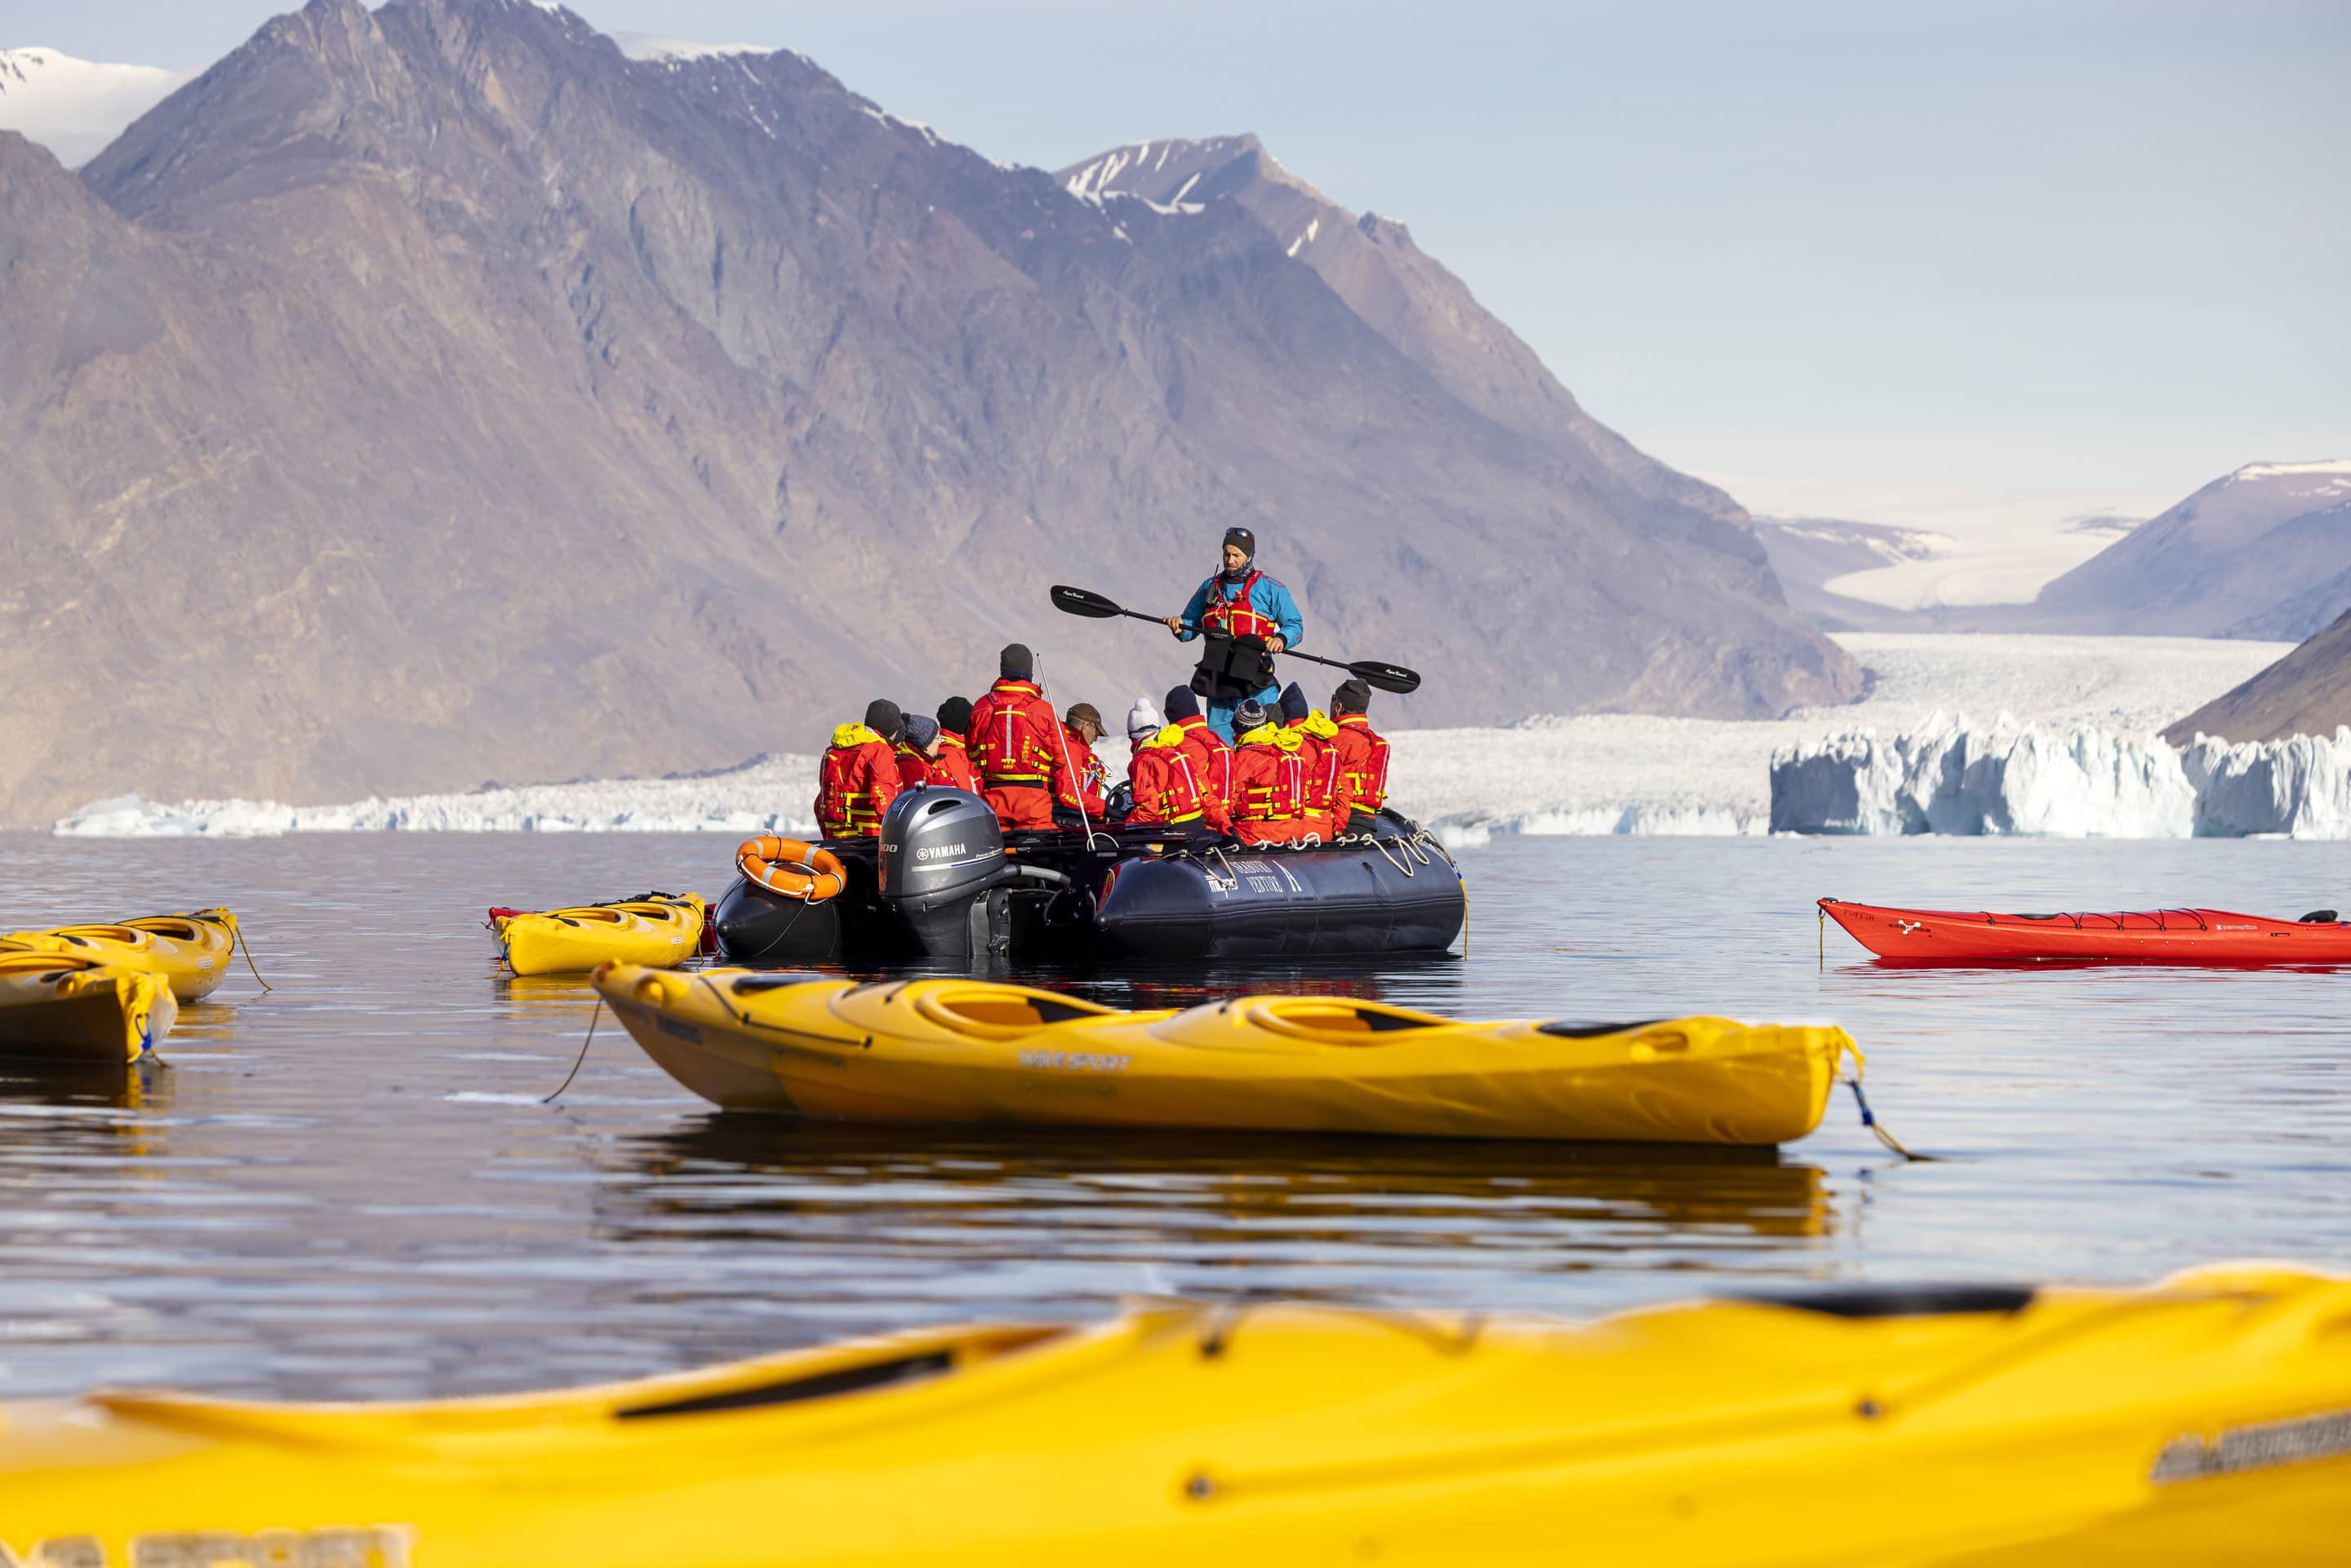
(347, 1188)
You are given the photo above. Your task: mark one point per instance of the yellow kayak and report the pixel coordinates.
(969, 1050)
(2204, 1420)
(62, 1008)
(661, 933)
(190, 951)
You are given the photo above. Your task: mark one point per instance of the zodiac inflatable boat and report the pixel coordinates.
(944, 882)
(2203, 1420)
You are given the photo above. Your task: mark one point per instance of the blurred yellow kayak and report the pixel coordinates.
(2204, 1420)
(970, 1050)
(191, 951)
(62, 1008)
(659, 932)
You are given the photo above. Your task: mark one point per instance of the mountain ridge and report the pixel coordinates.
(526, 410)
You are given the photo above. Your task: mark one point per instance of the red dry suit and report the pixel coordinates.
(1213, 759)
(953, 766)
(1362, 772)
(1318, 803)
(1015, 750)
(1270, 781)
(914, 767)
(1090, 775)
(1168, 786)
(855, 784)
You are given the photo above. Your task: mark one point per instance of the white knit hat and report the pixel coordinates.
(1143, 720)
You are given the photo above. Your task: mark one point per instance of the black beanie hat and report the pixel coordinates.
(883, 717)
(1016, 662)
(1180, 704)
(954, 715)
(1294, 706)
(1352, 696)
(1243, 538)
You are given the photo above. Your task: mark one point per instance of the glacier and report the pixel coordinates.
(1951, 776)
(772, 794)
(1580, 774)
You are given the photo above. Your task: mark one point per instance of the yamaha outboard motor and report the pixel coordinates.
(944, 871)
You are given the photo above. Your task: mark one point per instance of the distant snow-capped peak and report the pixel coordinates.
(2327, 468)
(657, 48)
(2326, 483)
(74, 106)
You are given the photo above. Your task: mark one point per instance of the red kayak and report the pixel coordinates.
(2158, 937)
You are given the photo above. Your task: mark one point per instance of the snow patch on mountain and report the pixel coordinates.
(1954, 777)
(74, 106)
(662, 49)
(2336, 467)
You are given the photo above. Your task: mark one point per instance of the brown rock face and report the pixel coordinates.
(2308, 692)
(434, 393)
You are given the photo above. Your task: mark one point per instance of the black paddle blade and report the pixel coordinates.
(1387, 678)
(1083, 601)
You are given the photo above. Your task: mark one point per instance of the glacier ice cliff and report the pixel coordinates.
(1954, 777)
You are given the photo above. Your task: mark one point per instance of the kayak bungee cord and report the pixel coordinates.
(862, 1042)
(583, 1052)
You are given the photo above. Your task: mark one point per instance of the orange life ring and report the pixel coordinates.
(793, 867)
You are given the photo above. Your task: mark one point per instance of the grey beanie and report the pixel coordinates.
(921, 731)
(1251, 715)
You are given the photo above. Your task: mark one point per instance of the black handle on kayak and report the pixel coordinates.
(1377, 673)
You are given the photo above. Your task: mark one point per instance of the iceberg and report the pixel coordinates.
(1954, 777)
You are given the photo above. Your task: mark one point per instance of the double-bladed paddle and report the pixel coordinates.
(1371, 672)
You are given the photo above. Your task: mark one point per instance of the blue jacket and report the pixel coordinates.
(1268, 598)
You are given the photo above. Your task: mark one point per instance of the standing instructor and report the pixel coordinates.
(1238, 603)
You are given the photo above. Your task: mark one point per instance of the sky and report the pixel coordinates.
(2089, 250)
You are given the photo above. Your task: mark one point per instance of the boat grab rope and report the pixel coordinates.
(236, 934)
(583, 1053)
(805, 906)
(1390, 858)
(1869, 1117)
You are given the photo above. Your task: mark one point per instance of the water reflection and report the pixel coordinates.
(1352, 1212)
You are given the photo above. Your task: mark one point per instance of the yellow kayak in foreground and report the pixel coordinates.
(660, 932)
(60, 1008)
(2204, 1420)
(191, 951)
(969, 1050)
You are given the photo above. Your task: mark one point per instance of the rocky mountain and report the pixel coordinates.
(438, 393)
(73, 107)
(2264, 553)
(2308, 692)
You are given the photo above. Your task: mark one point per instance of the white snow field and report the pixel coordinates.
(1602, 773)
(1978, 544)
